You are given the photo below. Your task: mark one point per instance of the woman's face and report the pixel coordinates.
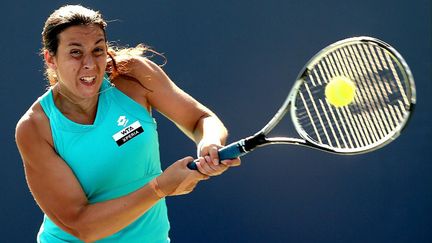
(81, 60)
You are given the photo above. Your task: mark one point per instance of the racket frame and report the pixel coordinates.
(407, 75)
(260, 139)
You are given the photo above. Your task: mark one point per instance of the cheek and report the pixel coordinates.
(102, 66)
(68, 63)
(102, 62)
(70, 68)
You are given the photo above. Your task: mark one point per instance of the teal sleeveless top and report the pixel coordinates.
(116, 155)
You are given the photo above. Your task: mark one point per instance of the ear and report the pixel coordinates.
(50, 60)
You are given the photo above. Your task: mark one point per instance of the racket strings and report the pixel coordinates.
(347, 115)
(367, 93)
(366, 119)
(384, 123)
(385, 116)
(380, 104)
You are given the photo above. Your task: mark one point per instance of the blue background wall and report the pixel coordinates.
(240, 58)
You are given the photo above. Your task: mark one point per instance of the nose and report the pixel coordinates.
(88, 62)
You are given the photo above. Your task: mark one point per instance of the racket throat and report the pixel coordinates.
(255, 141)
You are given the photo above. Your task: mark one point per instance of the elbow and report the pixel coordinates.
(79, 228)
(86, 231)
(84, 234)
(88, 239)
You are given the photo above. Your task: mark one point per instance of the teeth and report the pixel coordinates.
(88, 79)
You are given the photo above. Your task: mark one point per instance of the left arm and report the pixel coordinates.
(194, 119)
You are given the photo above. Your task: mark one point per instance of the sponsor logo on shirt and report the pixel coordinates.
(128, 133)
(122, 121)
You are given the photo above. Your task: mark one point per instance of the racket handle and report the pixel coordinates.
(230, 151)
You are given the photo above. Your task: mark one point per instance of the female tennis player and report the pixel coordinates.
(90, 146)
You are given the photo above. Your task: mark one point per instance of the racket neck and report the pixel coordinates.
(252, 142)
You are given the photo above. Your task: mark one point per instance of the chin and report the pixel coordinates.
(88, 91)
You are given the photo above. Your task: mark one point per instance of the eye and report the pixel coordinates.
(99, 51)
(75, 53)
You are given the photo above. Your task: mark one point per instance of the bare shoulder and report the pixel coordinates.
(33, 127)
(145, 79)
(149, 65)
(149, 73)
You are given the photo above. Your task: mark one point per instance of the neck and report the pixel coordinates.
(76, 109)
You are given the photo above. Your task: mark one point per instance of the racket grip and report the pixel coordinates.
(230, 151)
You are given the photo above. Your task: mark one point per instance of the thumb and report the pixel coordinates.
(187, 159)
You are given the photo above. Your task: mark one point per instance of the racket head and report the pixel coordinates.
(383, 102)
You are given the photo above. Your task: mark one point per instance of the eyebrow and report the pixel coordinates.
(79, 44)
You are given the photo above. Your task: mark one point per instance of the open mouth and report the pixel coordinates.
(88, 80)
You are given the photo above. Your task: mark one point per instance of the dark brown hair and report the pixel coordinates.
(72, 15)
(64, 17)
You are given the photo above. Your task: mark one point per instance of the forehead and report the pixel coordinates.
(81, 34)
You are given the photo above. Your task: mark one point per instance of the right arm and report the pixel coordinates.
(59, 194)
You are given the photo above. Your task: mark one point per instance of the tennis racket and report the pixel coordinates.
(383, 98)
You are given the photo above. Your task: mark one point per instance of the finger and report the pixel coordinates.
(205, 166)
(231, 162)
(216, 169)
(202, 176)
(187, 159)
(201, 166)
(214, 155)
(221, 169)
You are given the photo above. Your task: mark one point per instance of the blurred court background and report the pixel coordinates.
(240, 58)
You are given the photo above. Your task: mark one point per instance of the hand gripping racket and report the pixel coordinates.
(352, 97)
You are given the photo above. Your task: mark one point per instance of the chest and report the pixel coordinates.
(122, 149)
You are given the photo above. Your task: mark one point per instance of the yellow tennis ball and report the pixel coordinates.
(340, 91)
